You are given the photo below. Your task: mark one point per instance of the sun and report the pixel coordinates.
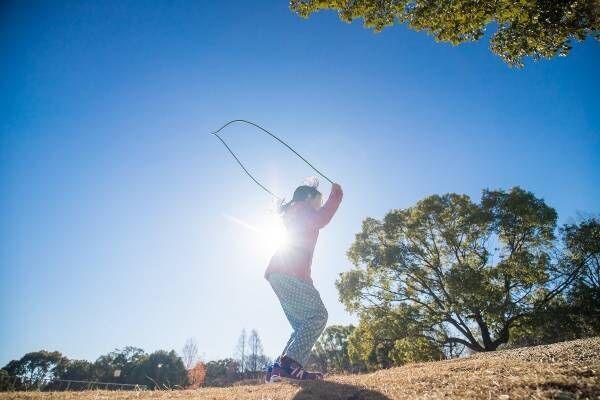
(268, 236)
(274, 236)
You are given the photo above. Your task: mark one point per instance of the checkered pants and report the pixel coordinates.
(304, 309)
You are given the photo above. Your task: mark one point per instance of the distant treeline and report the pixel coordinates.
(130, 365)
(45, 370)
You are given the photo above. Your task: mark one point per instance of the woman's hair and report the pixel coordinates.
(300, 194)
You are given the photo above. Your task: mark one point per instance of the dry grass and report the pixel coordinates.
(569, 370)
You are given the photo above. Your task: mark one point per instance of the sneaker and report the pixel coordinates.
(273, 373)
(304, 375)
(290, 370)
(268, 374)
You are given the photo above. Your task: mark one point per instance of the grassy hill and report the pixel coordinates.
(568, 370)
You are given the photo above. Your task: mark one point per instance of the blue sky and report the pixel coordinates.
(116, 204)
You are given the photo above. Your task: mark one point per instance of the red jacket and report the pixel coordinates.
(302, 223)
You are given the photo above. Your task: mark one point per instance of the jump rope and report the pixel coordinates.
(263, 187)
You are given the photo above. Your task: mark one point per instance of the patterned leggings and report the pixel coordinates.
(304, 309)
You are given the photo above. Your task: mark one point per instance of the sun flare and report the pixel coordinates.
(269, 236)
(274, 235)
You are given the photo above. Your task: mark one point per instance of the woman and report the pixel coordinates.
(289, 274)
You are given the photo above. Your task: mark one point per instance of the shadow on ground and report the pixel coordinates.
(336, 391)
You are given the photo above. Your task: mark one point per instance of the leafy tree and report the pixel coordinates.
(161, 370)
(129, 365)
(584, 304)
(78, 370)
(576, 312)
(331, 351)
(117, 366)
(529, 28)
(390, 337)
(414, 349)
(36, 367)
(9, 383)
(132, 365)
(582, 242)
(553, 323)
(455, 272)
(222, 372)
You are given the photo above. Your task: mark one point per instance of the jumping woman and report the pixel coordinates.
(289, 269)
(289, 273)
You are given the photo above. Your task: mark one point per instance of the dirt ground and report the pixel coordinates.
(568, 370)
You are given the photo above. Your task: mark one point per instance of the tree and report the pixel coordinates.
(530, 28)
(576, 312)
(133, 366)
(388, 338)
(222, 372)
(255, 358)
(129, 365)
(197, 375)
(454, 272)
(9, 383)
(331, 351)
(241, 352)
(118, 365)
(161, 370)
(582, 242)
(36, 367)
(189, 353)
(79, 370)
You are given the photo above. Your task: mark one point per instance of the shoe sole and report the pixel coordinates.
(278, 379)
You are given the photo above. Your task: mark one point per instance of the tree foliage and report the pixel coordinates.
(451, 271)
(130, 365)
(7, 382)
(330, 353)
(574, 313)
(37, 366)
(527, 28)
(222, 372)
(118, 366)
(164, 369)
(583, 248)
(77, 370)
(386, 338)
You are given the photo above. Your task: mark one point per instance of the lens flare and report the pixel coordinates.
(275, 236)
(269, 237)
